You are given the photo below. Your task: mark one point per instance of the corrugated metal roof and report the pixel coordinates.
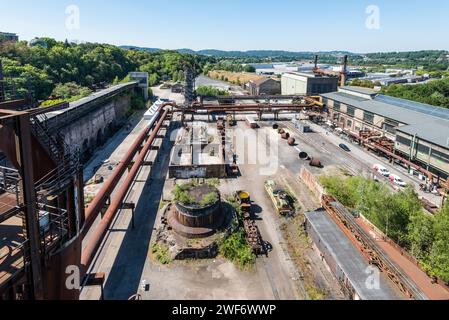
(361, 90)
(348, 258)
(436, 132)
(428, 122)
(428, 109)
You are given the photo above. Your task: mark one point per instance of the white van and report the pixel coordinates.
(397, 181)
(382, 170)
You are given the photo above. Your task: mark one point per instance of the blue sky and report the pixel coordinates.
(295, 25)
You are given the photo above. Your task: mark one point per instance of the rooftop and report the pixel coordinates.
(361, 90)
(9, 34)
(430, 123)
(349, 259)
(262, 81)
(302, 75)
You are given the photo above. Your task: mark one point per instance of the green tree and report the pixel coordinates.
(439, 257)
(421, 235)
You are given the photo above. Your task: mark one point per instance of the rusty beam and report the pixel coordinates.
(116, 203)
(28, 201)
(105, 192)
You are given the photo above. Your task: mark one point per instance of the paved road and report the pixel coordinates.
(367, 160)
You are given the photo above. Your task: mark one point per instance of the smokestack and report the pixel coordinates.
(316, 62)
(344, 72)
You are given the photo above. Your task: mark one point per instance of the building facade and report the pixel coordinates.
(299, 83)
(267, 86)
(420, 132)
(6, 36)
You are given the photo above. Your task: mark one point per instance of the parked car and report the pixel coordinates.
(382, 170)
(345, 147)
(397, 181)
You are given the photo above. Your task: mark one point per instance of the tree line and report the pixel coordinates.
(400, 216)
(40, 69)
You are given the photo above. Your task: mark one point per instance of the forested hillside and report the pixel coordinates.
(42, 68)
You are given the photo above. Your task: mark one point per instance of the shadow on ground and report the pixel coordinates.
(125, 275)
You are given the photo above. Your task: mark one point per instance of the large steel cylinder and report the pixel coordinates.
(291, 141)
(316, 163)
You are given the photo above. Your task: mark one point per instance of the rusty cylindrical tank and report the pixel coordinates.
(316, 163)
(291, 141)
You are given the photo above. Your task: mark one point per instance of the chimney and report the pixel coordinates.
(344, 72)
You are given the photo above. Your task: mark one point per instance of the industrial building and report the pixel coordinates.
(6, 36)
(198, 153)
(418, 132)
(265, 86)
(296, 83)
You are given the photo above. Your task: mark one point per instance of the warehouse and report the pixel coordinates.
(265, 86)
(307, 83)
(419, 131)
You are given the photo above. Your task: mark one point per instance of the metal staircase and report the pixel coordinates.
(67, 164)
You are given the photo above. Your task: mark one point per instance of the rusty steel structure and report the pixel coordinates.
(95, 240)
(41, 208)
(42, 193)
(342, 75)
(369, 248)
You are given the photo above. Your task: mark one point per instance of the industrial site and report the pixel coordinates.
(224, 159)
(220, 197)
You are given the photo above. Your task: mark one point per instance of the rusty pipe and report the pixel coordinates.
(95, 241)
(99, 201)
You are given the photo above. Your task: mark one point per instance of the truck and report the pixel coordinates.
(281, 199)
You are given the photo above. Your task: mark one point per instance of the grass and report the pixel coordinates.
(234, 77)
(162, 204)
(160, 253)
(215, 182)
(315, 293)
(88, 199)
(236, 249)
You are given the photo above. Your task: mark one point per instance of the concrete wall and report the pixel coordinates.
(200, 171)
(92, 130)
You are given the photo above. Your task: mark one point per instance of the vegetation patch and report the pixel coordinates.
(160, 252)
(209, 91)
(315, 293)
(236, 249)
(196, 195)
(400, 215)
